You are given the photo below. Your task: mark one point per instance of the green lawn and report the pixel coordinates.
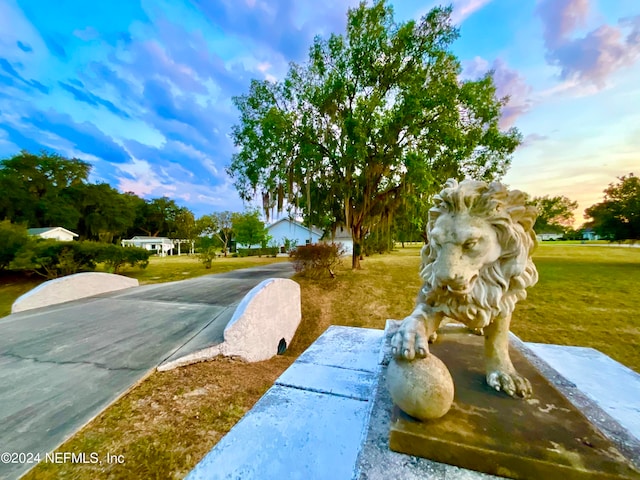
(169, 269)
(586, 296)
(12, 285)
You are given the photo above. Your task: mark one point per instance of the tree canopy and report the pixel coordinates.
(48, 190)
(218, 225)
(37, 188)
(249, 229)
(555, 214)
(617, 217)
(374, 118)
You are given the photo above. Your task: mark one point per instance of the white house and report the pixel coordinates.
(55, 233)
(549, 236)
(292, 231)
(162, 245)
(343, 236)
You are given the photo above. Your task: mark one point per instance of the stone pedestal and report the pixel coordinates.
(544, 436)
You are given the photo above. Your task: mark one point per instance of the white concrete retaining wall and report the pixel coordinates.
(268, 314)
(71, 287)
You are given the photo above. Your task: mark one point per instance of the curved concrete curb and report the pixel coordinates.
(71, 287)
(264, 322)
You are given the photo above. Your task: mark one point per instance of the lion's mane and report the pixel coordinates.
(501, 284)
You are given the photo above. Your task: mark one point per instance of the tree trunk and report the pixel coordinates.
(356, 235)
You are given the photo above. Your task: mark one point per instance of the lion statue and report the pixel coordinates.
(475, 267)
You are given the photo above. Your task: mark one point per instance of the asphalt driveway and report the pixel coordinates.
(60, 366)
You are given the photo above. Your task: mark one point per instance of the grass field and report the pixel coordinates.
(163, 427)
(586, 296)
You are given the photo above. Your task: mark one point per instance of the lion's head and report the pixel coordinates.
(477, 263)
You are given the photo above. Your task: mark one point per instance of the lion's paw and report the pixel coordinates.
(410, 341)
(513, 384)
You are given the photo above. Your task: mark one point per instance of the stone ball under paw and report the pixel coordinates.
(422, 388)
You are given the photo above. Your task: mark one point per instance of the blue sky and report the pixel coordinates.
(142, 88)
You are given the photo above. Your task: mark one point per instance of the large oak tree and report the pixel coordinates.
(374, 117)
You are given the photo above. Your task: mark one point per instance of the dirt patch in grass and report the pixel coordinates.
(166, 424)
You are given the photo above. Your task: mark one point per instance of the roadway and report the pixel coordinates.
(60, 366)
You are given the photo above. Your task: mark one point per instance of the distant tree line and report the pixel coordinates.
(48, 190)
(616, 218)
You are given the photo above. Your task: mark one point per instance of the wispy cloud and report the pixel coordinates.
(560, 18)
(509, 83)
(462, 9)
(87, 33)
(8, 68)
(84, 136)
(532, 139)
(85, 96)
(594, 57)
(25, 47)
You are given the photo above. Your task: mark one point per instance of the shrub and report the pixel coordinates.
(12, 238)
(314, 259)
(137, 257)
(116, 256)
(207, 256)
(377, 242)
(252, 252)
(289, 244)
(52, 259)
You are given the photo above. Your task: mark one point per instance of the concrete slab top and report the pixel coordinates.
(324, 431)
(345, 347)
(599, 377)
(310, 424)
(356, 384)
